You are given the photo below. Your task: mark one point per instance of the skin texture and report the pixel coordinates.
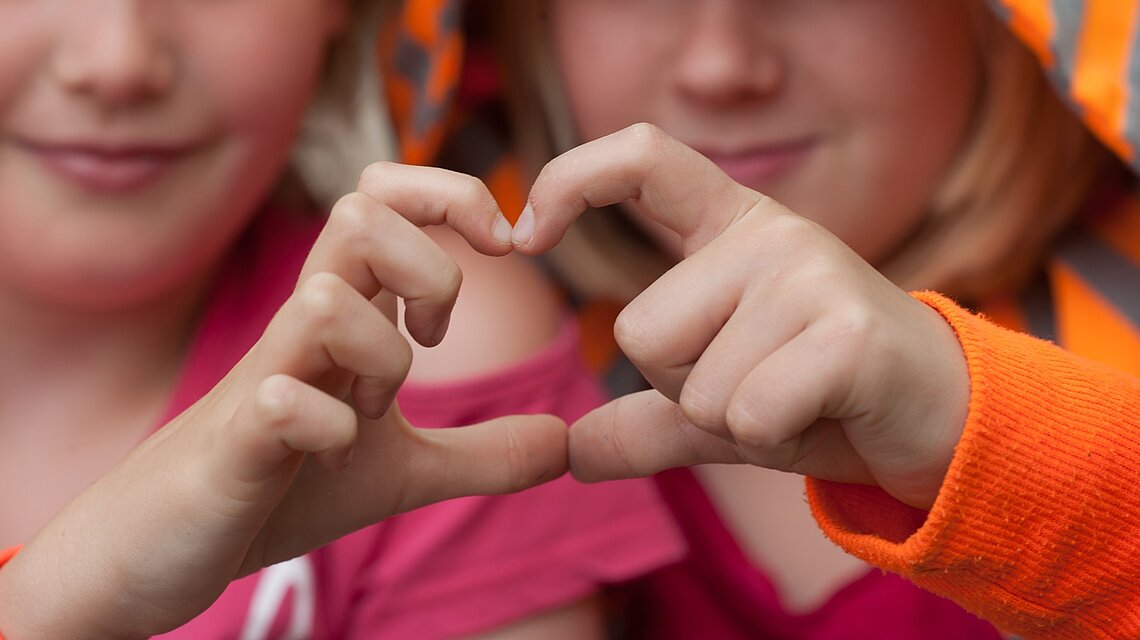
(137, 140)
(320, 381)
(746, 367)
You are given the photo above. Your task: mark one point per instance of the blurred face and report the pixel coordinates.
(847, 111)
(137, 137)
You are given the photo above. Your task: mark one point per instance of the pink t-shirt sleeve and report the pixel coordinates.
(473, 564)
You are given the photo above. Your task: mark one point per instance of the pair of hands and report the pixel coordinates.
(771, 343)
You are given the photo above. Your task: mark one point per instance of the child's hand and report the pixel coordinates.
(780, 346)
(228, 487)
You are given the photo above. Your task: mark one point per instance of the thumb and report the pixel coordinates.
(498, 456)
(639, 435)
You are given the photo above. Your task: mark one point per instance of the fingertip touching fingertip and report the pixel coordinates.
(523, 231)
(584, 475)
(439, 334)
(501, 230)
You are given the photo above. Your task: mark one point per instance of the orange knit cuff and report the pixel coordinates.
(1035, 527)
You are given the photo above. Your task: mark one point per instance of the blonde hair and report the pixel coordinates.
(601, 255)
(347, 126)
(1019, 180)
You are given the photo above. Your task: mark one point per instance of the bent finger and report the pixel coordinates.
(372, 248)
(285, 417)
(717, 296)
(669, 182)
(327, 327)
(433, 196)
(786, 414)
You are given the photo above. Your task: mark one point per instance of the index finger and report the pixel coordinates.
(374, 249)
(668, 181)
(432, 196)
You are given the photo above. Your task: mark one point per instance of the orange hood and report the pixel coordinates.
(1091, 51)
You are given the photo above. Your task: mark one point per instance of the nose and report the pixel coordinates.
(113, 51)
(725, 57)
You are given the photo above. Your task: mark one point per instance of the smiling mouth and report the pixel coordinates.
(760, 165)
(105, 168)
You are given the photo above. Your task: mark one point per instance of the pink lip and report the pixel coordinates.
(107, 168)
(760, 165)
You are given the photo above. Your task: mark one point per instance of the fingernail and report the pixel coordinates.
(524, 227)
(440, 331)
(344, 458)
(501, 230)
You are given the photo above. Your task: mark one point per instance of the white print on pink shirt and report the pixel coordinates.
(274, 584)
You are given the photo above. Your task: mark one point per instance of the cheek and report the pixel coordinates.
(24, 48)
(260, 82)
(587, 38)
(263, 99)
(903, 120)
(260, 62)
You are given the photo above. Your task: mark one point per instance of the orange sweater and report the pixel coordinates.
(1036, 527)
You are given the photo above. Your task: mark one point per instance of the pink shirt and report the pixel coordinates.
(451, 569)
(717, 592)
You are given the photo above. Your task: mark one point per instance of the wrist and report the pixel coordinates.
(41, 597)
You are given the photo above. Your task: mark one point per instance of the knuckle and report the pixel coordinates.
(791, 230)
(636, 338)
(351, 210)
(701, 409)
(470, 190)
(321, 298)
(649, 140)
(275, 400)
(855, 327)
(376, 173)
(353, 220)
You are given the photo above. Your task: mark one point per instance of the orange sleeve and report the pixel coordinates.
(5, 556)
(1037, 526)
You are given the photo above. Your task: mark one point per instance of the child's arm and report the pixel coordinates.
(785, 350)
(228, 487)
